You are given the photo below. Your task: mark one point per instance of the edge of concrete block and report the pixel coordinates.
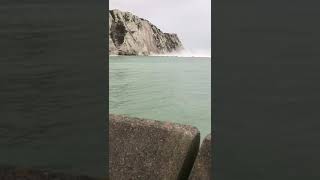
(202, 166)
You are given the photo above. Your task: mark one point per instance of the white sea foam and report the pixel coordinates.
(182, 53)
(187, 53)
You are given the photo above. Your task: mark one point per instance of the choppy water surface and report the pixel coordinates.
(176, 89)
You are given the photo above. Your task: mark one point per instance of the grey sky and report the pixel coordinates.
(190, 19)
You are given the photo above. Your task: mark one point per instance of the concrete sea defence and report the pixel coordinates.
(142, 149)
(202, 168)
(148, 149)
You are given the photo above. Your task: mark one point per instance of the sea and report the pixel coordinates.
(175, 89)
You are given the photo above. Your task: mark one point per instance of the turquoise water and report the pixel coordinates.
(176, 89)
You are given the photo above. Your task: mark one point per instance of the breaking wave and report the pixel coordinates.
(187, 53)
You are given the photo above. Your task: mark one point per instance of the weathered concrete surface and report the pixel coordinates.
(202, 166)
(150, 150)
(131, 35)
(13, 173)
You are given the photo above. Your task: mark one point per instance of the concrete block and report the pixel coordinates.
(151, 150)
(202, 166)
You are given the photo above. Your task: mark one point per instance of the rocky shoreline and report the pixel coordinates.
(131, 35)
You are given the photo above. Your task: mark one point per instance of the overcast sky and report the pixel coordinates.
(190, 19)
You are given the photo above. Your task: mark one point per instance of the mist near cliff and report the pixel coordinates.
(190, 19)
(187, 53)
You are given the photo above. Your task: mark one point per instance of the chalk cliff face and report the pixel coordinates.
(131, 35)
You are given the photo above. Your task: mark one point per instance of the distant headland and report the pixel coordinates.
(131, 35)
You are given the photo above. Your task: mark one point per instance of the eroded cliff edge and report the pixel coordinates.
(131, 35)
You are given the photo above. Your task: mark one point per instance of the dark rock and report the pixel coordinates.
(13, 173)
(202, 166)
(131, 35)
(151, 150)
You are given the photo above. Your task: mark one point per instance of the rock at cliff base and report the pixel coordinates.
(202, 166)
(131, 35)
(146, 149)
